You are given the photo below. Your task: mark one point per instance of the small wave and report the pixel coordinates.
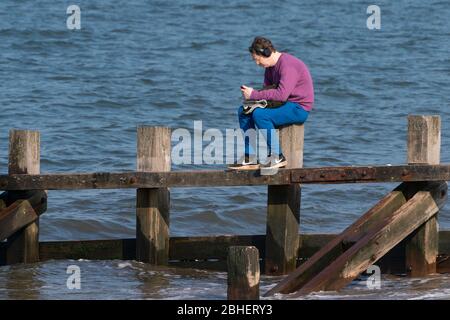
(61, 78)
(108, 104)
(148, 81)
(202, 7)
(125, 31)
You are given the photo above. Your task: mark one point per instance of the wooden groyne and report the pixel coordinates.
(400, 233)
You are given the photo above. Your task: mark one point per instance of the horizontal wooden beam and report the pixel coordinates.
(401, 173)
(209, 252)
(135, 180)
(120, 249)
(205, 178)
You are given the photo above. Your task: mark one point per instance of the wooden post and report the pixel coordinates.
(283, 209)
(243, 273)
(424, 144)
(152, 205)
(24, 158)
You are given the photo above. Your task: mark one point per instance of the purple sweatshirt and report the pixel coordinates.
(293, 79)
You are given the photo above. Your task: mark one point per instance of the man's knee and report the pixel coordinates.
(260, 114)
(240, 111)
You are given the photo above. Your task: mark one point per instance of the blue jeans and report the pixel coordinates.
(269, 119)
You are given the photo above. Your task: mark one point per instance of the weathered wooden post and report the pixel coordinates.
(283, 209)
(24, 158)
(152, 205)
(424, 144)
(243, 273)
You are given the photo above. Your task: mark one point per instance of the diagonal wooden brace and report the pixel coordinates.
(370, 220)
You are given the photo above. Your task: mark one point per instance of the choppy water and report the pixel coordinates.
(169, 63)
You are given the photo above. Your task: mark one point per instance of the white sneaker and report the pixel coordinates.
(275, 161)
(246, 163)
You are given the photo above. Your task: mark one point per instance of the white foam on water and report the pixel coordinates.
(122, 265)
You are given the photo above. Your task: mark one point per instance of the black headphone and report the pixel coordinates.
(266, 52)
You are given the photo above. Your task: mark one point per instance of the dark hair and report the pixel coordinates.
(262, 47)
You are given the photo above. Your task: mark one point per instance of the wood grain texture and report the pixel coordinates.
(153, 204)
(24, 158)
(424, 145)
(283, 209)
(243, 273)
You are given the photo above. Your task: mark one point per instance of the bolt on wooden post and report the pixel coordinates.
(243, 273)
(283, 209)
(24, 158)
(424, 145)
(152, 205)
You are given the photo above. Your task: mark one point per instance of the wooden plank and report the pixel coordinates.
(368, 174)
(210, 178)
(152, 205)
(36, 198)
(204, 252)
(283, 209)
(328, 253)
(182, 249)
(374, 245)
(24, 158)
(123, 249)
(15, 217)
(243, 273)
(424, 145)
(133, 180)
(212, 247)
(334, 248)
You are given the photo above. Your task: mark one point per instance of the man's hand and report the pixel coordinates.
(246, 92)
